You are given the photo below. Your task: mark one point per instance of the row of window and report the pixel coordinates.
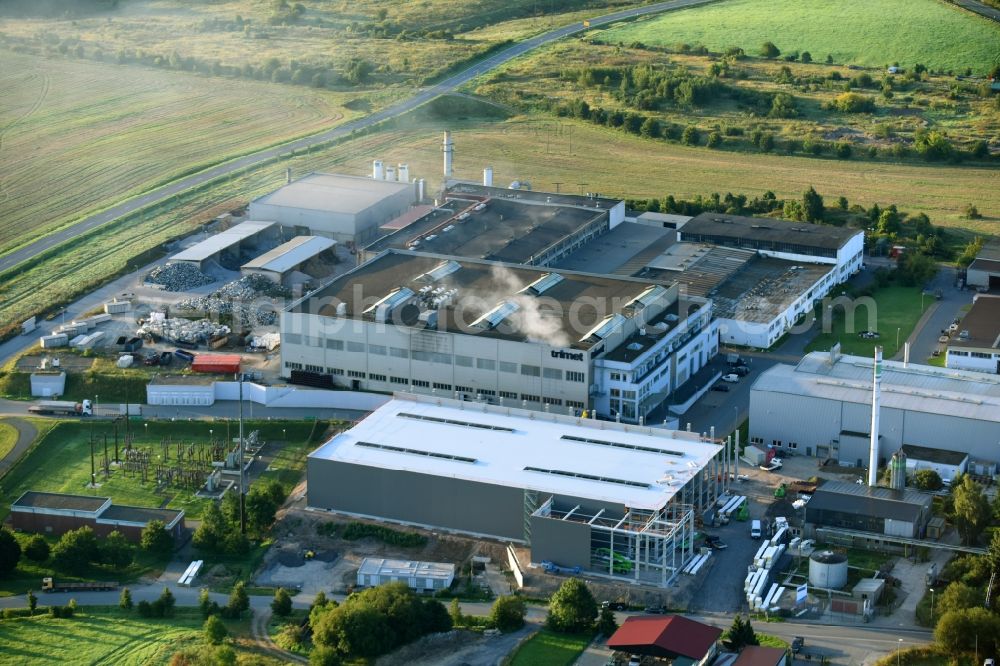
(465, 362)
(956, 352)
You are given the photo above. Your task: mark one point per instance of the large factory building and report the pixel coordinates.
(609, 498)
(556, 341)
(348, 209)
(823, 407)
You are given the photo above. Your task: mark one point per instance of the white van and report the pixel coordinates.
(755, 529)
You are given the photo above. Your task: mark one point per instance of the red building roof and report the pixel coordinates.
(216, 363)
(671, 636)
(757, 655)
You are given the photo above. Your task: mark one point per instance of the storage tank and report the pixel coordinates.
(378, 170)
(488, 176)
(897, 470)
(390, 173)
(403, 173)
(828, 569)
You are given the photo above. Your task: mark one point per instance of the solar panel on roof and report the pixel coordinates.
(467, 424)
(416, 452)
(619, 445)
(493, 318)
(589, 477)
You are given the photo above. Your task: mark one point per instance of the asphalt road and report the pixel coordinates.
(450, 84)
(979, 8)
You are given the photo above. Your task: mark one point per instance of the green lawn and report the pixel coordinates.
(101, 636)
(894, 308)
(60, 460)
(768, 640)
(8, 438)
(547, 648)
(862, 32)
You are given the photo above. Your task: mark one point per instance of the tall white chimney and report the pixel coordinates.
(488, 176)
(906, 354)
(378, 170)
(403, 173)
(448, 147)
(876, 406)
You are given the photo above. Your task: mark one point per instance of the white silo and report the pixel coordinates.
(488, 176)
(404, 173)
(421, 189)
(828, 569)
(390, 173)
(378, 170)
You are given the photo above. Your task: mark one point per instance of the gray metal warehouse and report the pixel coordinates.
(849, 507)
(229, 244)
(984, 272)
(277, 264)
(612, 499)
(822, 407)
(344, 208)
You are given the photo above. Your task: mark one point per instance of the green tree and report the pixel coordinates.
(215, 630)
(507, 613)
(76, 549)
(842, 203)
(783, 106)
(32, 602)
(10, 551)
(980, 150)
(125, 599)
(932, 145)
(211, 534)
(650, 128)
(971, 511)
(769, 50)
(964, 630)
(970, 251)
(239, 601)
(322, 655)
(850, 102)
(204, 602)
(37, 548)
(843, 150)
(282, 603)
(455, 611)
(262, 503)
(164, 604)
(714, 139)
(155, 538)
(806, 57)
(572, 608)
(927, 479)
(116, 550)
(741, 634)
(916, 269)
(812, 205)
(970, 212)
(958, 596)
(606, 624)
(354, 629)
(230, 507)
(690, 136)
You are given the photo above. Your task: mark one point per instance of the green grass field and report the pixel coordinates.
(543, 151)
(8, 438)
(547, 648)
(861, 32)
(896, 308)
(102, 636)
(60, 461)
(80, 136)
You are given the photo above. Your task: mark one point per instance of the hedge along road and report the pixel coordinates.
(82, 226)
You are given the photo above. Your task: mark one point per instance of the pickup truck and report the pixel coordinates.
(772, 466)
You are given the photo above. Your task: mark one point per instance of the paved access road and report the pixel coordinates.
(423, 96)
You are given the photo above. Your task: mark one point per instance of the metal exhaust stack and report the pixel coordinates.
(448, 147)
(876, 399)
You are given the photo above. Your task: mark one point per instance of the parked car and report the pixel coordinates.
(152, 359)
(868, 335)
(943, 339)
(656, 610)
(166, 358)
(742, 370)
(615, 605)
(634, 660)
(721, 387)
(732, 378)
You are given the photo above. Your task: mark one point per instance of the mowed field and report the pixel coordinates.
(94, 639)
(861, 32)
(78, 136)
(588, 158)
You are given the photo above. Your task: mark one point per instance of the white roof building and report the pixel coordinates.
(231, 239)
(822, 406)
(641, 468)
(287, 257)
(418, 575)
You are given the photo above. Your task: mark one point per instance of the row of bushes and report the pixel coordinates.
(356, 530)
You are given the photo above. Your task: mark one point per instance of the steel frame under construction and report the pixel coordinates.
(642, 546)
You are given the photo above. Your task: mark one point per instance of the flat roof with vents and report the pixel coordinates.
(717, 227)
(637, 467)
